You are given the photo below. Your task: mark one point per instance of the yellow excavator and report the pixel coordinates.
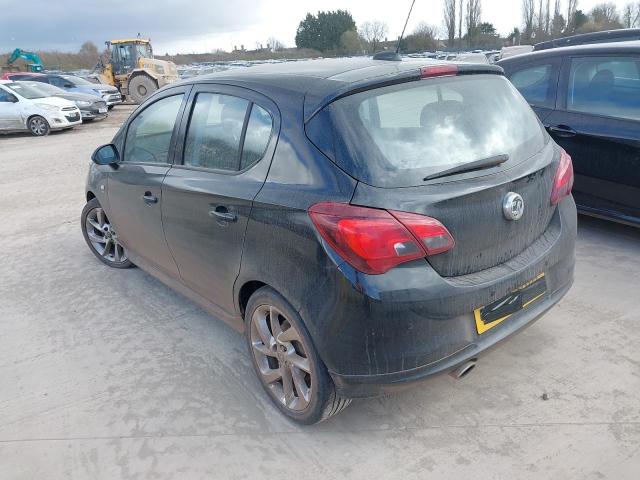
(131, 68)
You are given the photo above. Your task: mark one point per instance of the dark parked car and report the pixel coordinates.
(588, 98)
(367, 223)
(91, 107)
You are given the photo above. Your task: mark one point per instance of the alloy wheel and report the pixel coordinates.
(38, 126)
(103, 237)
(281, 358)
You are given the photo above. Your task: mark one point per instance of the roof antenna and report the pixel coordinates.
(395, 56)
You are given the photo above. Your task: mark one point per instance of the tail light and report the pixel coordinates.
(563, 181)
(374, 241)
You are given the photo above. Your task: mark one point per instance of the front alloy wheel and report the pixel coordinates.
(38, 126)
(102, 238)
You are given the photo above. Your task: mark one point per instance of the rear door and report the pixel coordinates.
(134, 188)
(598, 123)
(221, 164)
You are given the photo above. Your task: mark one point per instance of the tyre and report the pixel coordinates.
(38, 126)
(140, 87)
(110, 107)
(286, 361)
(101, 237)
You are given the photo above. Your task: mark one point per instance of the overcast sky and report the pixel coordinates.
(203, 25)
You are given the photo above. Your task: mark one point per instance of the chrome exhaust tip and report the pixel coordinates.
(463, 369)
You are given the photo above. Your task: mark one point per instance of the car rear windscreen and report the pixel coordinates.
(397, 135)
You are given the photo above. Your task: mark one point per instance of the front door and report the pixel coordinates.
(10, 117)
(207, 199)
(599, 125)
(134, 187)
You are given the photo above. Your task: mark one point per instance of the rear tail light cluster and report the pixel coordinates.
(374, 241)
(563, 181)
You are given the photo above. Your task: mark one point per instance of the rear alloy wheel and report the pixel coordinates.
(140, 87)
(39, 126)
(101, 236)
(286, 362)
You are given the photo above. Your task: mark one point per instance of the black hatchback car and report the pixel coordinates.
(588, 98)
(367, 223)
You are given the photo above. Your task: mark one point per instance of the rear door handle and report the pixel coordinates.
(563, 131)
(149, 198)
(223, 215)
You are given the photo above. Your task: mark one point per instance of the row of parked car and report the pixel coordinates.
(40, 103)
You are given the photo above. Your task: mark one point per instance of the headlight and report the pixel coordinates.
(83, 103)
(99, 92)
(50, 108)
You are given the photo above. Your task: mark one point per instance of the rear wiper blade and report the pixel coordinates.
(471, 166)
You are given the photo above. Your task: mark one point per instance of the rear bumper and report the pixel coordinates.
(373, 385)
(385, 332)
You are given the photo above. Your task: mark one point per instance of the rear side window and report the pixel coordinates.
(605, 86)
(536, 84)
(257, 136)
(394, 136)
(149, 134)
(217, 137)
(215, 130)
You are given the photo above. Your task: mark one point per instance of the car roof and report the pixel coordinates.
(304, 74)
(587, 49)
(323, 79)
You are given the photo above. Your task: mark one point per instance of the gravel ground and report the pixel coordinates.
(108, 374)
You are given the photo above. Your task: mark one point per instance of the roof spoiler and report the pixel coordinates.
(409, 75)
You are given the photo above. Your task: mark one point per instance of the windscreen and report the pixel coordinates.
(400, 134)
(77, 80)
(45, 88)
(26, 91)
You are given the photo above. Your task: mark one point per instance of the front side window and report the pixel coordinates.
(149, 136)
(536, 84)
(6, 97)
(215, 131)
(605, 86)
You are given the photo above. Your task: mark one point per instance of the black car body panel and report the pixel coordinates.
(605, 148)
(373, 332)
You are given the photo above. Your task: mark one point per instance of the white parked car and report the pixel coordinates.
(26, 108)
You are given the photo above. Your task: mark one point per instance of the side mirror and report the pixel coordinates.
(106, 155)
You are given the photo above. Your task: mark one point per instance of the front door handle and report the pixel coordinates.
(223, 215)
(149, 198)
(563, 131)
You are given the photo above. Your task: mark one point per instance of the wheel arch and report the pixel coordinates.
(90, 196)
(36, 115)
(245, 292)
